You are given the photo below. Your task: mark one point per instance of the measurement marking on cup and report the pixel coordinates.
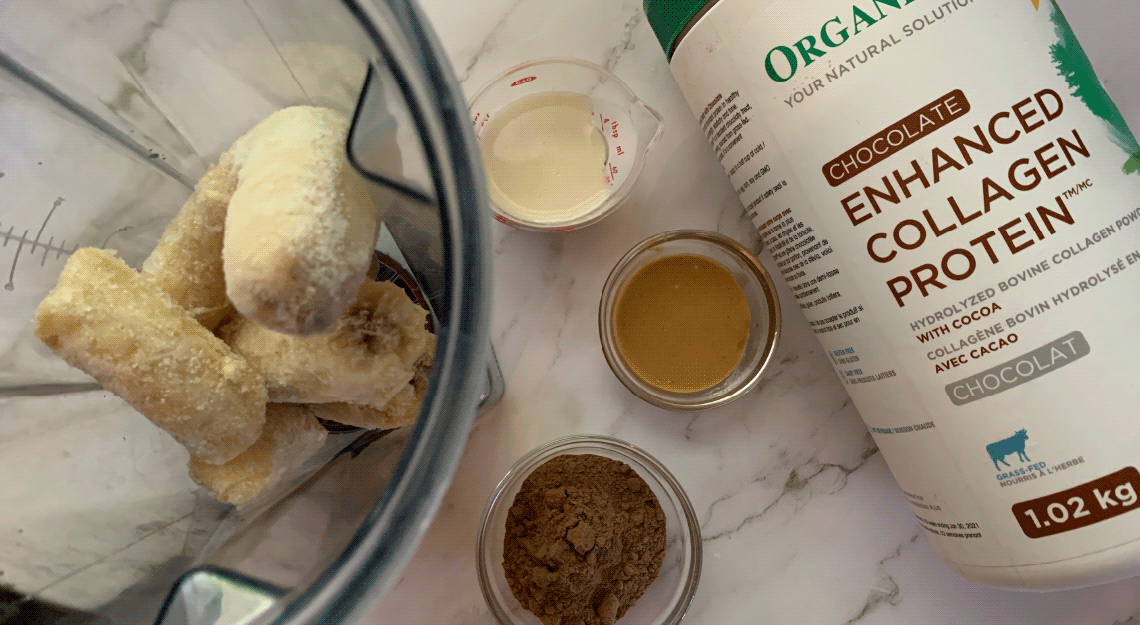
(39, 234)
(59, 250)
(12, 274)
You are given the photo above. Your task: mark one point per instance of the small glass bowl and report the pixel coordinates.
(759, 291)
(666, 599)
(628, 126)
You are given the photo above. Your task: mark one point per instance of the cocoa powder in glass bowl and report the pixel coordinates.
(585, 537)
(668, 593)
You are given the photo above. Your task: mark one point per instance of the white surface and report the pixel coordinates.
(801, 519)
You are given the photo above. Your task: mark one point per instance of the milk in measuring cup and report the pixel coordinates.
(563, 142)
(546, 158)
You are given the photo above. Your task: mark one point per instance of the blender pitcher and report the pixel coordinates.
(109, 113)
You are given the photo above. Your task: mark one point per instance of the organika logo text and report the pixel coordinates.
(782, 62)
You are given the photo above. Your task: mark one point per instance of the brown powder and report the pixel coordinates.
(585, 537)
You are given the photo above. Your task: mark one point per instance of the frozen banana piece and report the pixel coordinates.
(401, 410)
(187, 263)
(301, 227)
(291, 436)
(368, 357)
(387, 320)
(117, 326)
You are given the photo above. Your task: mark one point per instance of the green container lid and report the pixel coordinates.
(669, 17)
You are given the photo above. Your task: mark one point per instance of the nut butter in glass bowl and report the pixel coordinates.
(753, 284)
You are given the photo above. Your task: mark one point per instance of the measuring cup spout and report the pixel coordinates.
(649, 124)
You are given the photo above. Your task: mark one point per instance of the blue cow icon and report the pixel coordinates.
(999, 450)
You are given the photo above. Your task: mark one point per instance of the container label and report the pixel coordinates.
(1092, 502)
(1029, 366)
(896, 137)
(954, 203)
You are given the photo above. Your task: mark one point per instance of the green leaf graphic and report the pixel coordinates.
(1132, 165)
(1076, 69)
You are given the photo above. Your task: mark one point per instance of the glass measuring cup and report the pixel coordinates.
(629, 128)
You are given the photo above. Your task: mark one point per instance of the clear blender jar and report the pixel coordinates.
(109, 112)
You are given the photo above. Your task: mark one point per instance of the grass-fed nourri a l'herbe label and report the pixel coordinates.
(954, 202)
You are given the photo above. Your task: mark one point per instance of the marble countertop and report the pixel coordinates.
(800, 517)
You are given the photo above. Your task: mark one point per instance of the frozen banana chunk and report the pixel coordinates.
(109, 321)
(401, 410)
(301, 227)
(387, 320)
(368, 357)
(291, 436)
(187, 263)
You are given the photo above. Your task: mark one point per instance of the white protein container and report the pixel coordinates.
(955, 203)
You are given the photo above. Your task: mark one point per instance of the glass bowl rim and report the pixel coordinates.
(608, 301)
